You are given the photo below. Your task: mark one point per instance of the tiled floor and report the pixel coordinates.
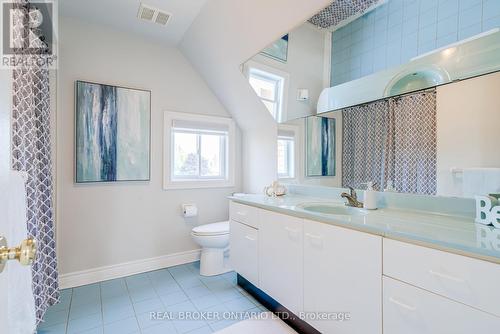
(124, 306)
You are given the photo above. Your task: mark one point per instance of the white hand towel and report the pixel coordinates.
(480, 181)
(20, 301)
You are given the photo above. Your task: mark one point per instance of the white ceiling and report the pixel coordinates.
(122, 15)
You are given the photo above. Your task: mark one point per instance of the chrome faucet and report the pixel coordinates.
(352, 198)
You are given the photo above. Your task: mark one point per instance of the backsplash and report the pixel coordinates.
(399, 30)
(452, 206)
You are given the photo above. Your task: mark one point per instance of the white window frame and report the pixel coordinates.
(296, 150)
(171, 182)
(273, 72)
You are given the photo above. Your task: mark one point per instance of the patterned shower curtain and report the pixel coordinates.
(31, 152)
(413, 146)
(395, 140)
(364, 141)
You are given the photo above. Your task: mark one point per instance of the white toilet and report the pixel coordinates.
(214, 241)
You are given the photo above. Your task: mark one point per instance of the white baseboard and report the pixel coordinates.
(100, 274)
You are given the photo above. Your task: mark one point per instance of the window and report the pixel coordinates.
(270, 85)
(286, 154)
(201, 151)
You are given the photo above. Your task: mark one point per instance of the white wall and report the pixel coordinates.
(468, 136)
(107, 224)
(225, 34)
(305, 67)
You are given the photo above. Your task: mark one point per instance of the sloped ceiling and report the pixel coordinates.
(122, 15)
(225, 34)
(341, 10)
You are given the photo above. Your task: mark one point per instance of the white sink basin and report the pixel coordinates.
(332, 209)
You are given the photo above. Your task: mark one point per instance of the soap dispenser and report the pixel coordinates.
(370, 202)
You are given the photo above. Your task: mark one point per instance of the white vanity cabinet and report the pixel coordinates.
(386, 286)
(411, 310)
(428, 291)
(244, 258)
(280, 259)
(343, 273)
(244, 241)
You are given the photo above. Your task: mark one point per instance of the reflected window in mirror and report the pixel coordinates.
(269, 88)
(286, 154)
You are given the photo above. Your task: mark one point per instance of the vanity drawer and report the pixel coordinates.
(466, 280)
(244, 214)
(244, 251)
(410, 310)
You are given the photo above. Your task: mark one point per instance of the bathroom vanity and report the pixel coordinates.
(388, 271)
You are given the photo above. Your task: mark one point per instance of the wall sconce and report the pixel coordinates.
(302, 94)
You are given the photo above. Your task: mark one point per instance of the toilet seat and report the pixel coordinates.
(214, 229)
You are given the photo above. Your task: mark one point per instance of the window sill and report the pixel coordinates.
(198, 184)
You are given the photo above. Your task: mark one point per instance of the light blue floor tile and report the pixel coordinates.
(113, 314)
(83, 310)
(117, 301)
(84, 323)
(137, 280)
(185, 326)
(150, 305)
(163, 288)
(62, 305)
(219, 284)
(197, 292)
(98, 330)
(54, 317)
(189, 282)
(217, 326)
(163, 328)
(142, 293)
(55, 329)
(145, 320)
(85, 299)
(217, 313)
(203, 330)
(186, 306)
(113, 288)
(87, 289)
(125, 326)
(226, 295)
(239, 305)
(65, 293)
(205, 302)
(123, 305)
(174, 298)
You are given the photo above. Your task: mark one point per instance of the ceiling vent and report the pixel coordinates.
(151, 14)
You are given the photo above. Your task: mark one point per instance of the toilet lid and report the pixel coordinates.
(212, 229)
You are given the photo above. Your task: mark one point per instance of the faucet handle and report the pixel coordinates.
(353, 191)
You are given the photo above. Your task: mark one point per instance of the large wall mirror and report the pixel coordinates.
(410, 90)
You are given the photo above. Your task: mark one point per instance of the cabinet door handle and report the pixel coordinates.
(292, 232)
(445, 276)
(315, 240)
(401, 304)
(314, 237)
(249, 238)
(241, 213)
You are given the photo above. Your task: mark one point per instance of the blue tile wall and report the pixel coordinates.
(399, 30)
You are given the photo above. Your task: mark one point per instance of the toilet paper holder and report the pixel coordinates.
(189, 210)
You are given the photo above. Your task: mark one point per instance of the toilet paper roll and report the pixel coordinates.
(189, 210)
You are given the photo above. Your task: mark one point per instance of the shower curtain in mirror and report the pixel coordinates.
(393, 139)
(31, 153)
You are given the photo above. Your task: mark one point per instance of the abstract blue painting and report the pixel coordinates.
(113, 127)
(320, 146)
